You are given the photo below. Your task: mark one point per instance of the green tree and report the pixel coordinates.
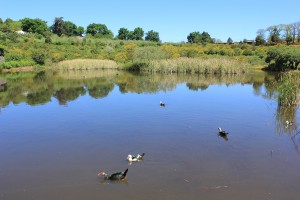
(34, 26)
(206, 38)
(1, 21)
(123, 34)
(58, 26)
(194, 37)
(229, 40)
(80, 30)
(137, 34)
(259, 40)
(99, 30)
(69, 28)
(152, 36)
(274, 36)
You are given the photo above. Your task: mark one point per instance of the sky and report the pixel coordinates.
(174, 20)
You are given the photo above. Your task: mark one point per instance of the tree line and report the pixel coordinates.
(61, 27)
(282, 33)
(272, 35)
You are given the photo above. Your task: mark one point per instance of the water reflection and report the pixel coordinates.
(65, 86)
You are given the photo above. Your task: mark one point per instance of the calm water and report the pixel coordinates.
(57, 130)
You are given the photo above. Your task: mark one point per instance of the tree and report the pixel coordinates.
(137, 34)
(196, 37)
(152, 36)
(58, 26)
(274, 34)
(34, 26)
(69, 28)
(1, 21)
(123, 34)
(259, 40)
(229, 40)
(80, 30)
(99, 30)
(206, 38)
(295, 27)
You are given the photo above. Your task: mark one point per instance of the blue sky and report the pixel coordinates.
(173, 19)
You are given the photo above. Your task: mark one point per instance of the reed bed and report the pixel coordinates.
(196, 65)
(289, 87)
(87, 64)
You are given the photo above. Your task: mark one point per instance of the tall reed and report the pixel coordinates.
(196, 65)
(289, 87)
(86, 64)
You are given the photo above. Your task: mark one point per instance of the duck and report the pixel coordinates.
(162, 103)
(136, 158)
(222, 133)
(115, 176)
(289, 123)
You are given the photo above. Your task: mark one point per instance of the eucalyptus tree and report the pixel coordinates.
(274, 34)
(152, 36)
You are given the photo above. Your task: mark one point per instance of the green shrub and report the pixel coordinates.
(39, 57)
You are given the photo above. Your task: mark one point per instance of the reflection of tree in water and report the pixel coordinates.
(194, 87)
(39, 97)
(68, 94)
(101, 90)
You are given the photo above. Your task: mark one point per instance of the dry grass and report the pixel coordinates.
(196, 65)
(86, 64)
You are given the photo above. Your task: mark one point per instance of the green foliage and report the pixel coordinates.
(229, 40)
(196, 37)
(137, 34)
(152, 36)
(259, 40)
(123, 34)
(39, 57)
(283, 58)
(99, 30)
(80, 31)
(288, 90)
(58, 26)
(145, 54)
(34, 26)
(20, 63)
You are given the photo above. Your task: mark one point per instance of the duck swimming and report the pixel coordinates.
(136, 158)
(162, 103)
(222, 133)
(114, 176)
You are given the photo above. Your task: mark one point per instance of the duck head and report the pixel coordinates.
(219, 129)
(101, 174)
(129, 157)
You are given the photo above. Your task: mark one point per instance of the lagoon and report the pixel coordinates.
(58, 129)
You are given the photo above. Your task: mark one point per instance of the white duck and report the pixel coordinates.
(136, 158)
